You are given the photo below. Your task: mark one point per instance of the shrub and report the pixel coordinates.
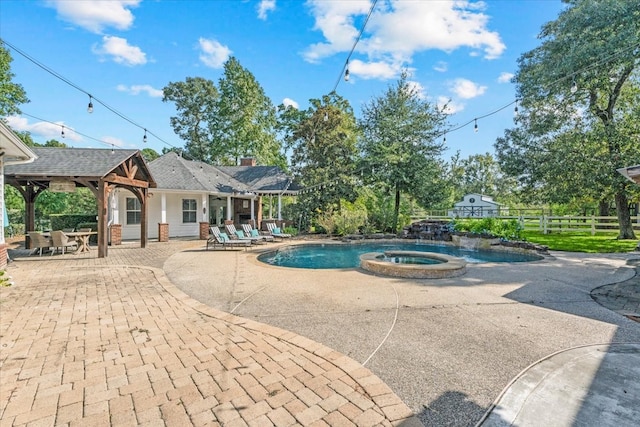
(505, 229)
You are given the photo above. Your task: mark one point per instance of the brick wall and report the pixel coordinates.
(116, 234)
(204, 230)
(163, 232)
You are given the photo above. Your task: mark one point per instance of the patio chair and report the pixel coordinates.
(276, 232)
(219, 238)
(235, 234)
(38, 241)
(62, 241)
(250, 231)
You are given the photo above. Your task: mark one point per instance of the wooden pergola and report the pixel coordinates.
(99, 170)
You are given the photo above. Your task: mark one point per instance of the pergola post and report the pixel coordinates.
(103, 193)
(144, 192)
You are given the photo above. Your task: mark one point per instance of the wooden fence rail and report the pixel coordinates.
(548, 224)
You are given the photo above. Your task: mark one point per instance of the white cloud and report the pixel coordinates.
(399, 29)
(137, 89)
(467, 89)
(121, 51)
(95, 15)
(373, 70)
(116, 142)
(44, 130)
(441, 66)
(288, 102)
(417, 88)
(447, 106)
(264, 7)
(213, 53)
(505, 77)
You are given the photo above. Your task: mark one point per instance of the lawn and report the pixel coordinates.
(581, 242)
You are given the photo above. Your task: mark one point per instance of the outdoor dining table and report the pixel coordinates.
(82, 237)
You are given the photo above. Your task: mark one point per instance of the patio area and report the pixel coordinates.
(145, 336)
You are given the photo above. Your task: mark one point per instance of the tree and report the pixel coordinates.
(399, 145)
(196, 102)
(246, 119)
(322, 141)
(149, 154)
(577, 95)
(11, 94)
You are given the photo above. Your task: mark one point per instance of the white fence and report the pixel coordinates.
(548, 224)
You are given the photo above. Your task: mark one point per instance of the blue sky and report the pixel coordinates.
(124, 52)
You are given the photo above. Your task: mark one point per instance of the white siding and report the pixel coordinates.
(174, 215)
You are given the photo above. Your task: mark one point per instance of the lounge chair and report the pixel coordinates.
(38, 241)
(235, 234)
(219, 238)
(276, 232)
(62, 241)
(250, 231)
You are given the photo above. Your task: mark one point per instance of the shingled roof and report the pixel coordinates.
(71, 162)
(173, 172)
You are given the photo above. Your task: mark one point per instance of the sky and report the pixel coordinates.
(123, 52)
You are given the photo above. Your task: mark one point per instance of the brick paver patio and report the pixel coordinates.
(87, 341)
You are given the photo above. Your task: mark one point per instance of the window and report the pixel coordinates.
(189, 210)
(133, 210)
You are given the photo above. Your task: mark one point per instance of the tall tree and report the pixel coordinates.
(11, 94)
(246, 120)
(576, 90)
(196, 102)
(399, 146)
(322, 140)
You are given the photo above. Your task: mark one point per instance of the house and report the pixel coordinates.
(190, 195)
(475, 206)
(12, 152)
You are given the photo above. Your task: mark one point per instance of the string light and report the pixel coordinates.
(113, 149)
(346, 72)
(475, 126)
(62, 132)
(326, 116)
(574, 86)
(144, 138)
(515, 109)
(90, 106)
(444, 138)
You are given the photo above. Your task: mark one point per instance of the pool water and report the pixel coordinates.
(322, 256)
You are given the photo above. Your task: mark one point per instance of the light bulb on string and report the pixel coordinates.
(444, 138)
(475, 126)
(112, 149)
(326, 116)
(62, 132)
(90, 106)
(144, 138)
(346, 72)
(574, 86)
(515, 109)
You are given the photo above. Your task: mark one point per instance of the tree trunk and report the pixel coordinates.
(604, 208)
(396, 210)
(624, 217)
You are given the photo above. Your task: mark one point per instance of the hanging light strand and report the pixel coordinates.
(344, 71)
(92, 98)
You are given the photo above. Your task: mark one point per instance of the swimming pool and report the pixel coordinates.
(323, 256)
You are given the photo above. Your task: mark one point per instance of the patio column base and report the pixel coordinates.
(116, 234)
(204, 230)
(163, 232)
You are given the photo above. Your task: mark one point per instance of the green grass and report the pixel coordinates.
(581, 242)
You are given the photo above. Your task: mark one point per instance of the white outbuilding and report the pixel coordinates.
(475, 206)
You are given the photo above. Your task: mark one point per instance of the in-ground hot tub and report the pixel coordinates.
(413, 264)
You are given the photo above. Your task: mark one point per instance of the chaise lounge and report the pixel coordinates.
(219, 238)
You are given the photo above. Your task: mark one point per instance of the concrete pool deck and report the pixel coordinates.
(447, 348)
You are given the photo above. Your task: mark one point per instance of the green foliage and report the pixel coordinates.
(570, 142)
(581, 242)
(149, 154)
(196, 103)
(399, 146)
(246, 119)
(505, 229)
(75, 221)
(5, 279)
(11, 94)
(323, 144)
